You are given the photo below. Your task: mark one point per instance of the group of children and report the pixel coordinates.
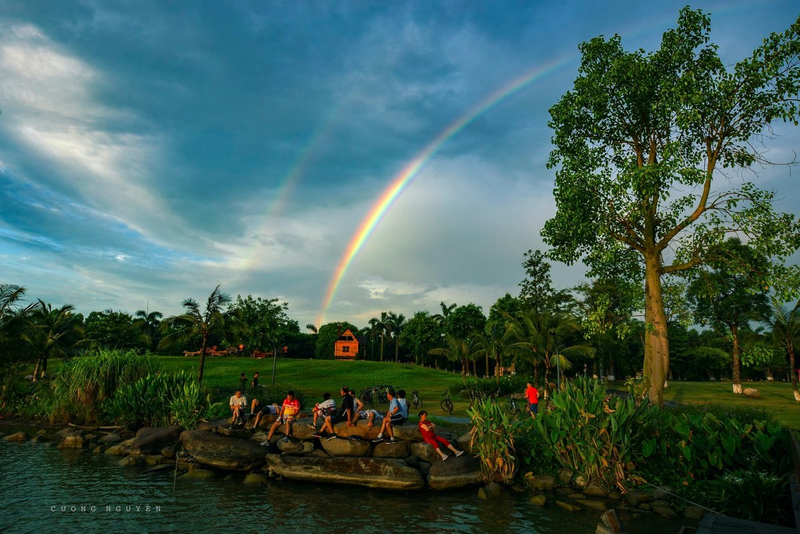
(350, 411)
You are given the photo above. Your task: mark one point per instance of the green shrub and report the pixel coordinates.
(487, 387)
(752, 495)
(594, 438)
(83, 383)
(493, 436)
(159, 400)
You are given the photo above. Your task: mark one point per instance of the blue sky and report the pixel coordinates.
(151, 150)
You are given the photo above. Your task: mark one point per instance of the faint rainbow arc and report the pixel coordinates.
(410, 171)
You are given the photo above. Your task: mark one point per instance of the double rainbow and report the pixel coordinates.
(404, 178)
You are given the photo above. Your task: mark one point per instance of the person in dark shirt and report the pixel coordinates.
(345, 414)
(242, 382)
(254, 383)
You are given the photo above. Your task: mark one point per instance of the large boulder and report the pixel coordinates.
(213, 424)
(464, 443)
(108, 439)
(369, 472)
(347, 447)
(595, 489)
(150, 440)
(224, 453)
(73, 441)
(751, 393)
(425, 451)
(294, 446)
(388, 449)
(542, 483)
(19, 436)
(454, 473)
(122, 448)
(236, 432)
(635, 497)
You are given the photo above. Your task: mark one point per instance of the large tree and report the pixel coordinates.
(53, 333)
(728, 292)
(640, 145)
(202, 323)
(267, 322)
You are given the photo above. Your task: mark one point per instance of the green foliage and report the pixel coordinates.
(507, 385)
(421, 334)
(159, 399)
(595, 438)
(748, 494)
(266, 321)
(111, 330)
(83, 383)
(464, 320)
(493, 436)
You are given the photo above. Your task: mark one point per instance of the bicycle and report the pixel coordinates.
(415, 400)
(366, 395)
(447, 404)
(512, 407)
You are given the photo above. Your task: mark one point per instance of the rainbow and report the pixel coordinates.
(404, 178)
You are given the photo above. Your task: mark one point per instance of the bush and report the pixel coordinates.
(83, 383)
(159, 400)
(492, 435)
(752, 495)
(487, 387)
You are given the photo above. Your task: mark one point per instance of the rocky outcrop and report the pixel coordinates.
(386, 449)
(347, 447)
(455, 473)
(368, 472)
(153, 439)
(121, 449)
(221, 452)
(294, 446)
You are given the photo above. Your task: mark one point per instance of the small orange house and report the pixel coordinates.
(346, 347)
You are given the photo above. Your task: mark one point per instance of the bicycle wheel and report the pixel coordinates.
(512, 408)
(418, 403)
(366, 398)
(447, 406)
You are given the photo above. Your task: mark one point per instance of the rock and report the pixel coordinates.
(64, 432)
(98, 450)
(295, 447)
(150, 440)
(565, 476)
(565, 491)
(198, 474)
(425, 469)
(398, 449)
(90, 437)
(610, 520)
(369, 472)
(694, 512)
(230, 477)
(661, 493)
(635, 497)
(255, 478)
(259, 436)
(664, 511)
(224, 453)
(464, 443)
(569, 507)
(108, 439)
(208, 426)
(751, 393)
(491, 491)
(121, 449)
(408, 431)
(645, 506)
(577, 496)
(72, 441)
(542, 483)
(594, 489)
(236, 432)
(319, 453)
(538, 500)
(614, 495)
(41, 432)
(600, 506)
(168, 452)
(39, 439)
(425, 451)
(265, 421)
(347, 447)
(579, 482)
(455, 473)
(157, 459)
(18, 436)
(131, 461)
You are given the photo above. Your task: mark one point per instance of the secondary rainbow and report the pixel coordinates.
(404, 178)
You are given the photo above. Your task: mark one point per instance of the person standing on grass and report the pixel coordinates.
(238, 405)
(289, 411)
(429, 436)
(254, 383)
(242, 381)
(398, 413)
(532, 394)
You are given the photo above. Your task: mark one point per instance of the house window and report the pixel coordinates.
(345, 349)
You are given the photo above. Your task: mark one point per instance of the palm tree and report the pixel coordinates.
(385, 328)
(194, 323)
(539, 338)
(149, 323)
(14, 322)
(396, 322)
(441, 318)
(491, 344)
(786, 334)
(374, 329)
(54, 332)
(312, 327)
(459, 350)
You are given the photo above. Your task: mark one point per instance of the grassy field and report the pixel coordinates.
(316, 377)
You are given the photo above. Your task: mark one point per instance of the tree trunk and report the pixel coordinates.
(656, 341)
(487, 364)
(475, 368)
(36, 369)
(202, 359)
(397, 349)
(794, 374)
(381, 346)
(736, 366)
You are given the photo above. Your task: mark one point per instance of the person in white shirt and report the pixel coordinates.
(323, 409)
(238, 405)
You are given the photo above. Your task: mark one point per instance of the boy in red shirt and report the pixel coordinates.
(532, 395)
(426, 428)
(289, 411)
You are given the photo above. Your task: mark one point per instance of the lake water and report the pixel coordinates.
(44, 489)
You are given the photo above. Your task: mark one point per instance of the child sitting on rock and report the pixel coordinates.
(426, 428)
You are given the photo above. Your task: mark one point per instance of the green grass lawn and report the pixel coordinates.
(776, 397)
(315, 377)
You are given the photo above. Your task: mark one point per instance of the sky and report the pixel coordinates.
(150, 150)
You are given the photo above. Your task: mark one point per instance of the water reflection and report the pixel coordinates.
(36, 481)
